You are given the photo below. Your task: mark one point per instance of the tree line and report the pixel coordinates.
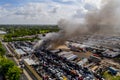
(7, 67)
(2, 50)
(19, 31)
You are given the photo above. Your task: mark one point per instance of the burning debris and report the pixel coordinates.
(102, 21)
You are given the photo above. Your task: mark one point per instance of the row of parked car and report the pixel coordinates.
(52, 66)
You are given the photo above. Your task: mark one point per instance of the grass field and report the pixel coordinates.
(1, 36)
(108, 76)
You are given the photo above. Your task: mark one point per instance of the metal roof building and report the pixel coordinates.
(20, 51)
(29, 61)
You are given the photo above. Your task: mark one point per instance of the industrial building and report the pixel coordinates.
(30, 61)
(76, 46)
(94, 59)
(111, 54)
(57, 64)
(68, 55)
(2, 32)
(20, 53)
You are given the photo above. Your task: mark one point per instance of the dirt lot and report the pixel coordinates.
(82, 54)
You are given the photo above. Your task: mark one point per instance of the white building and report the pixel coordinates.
(64, 53)
(72, 57)
(111, 54)
(77, 46)
(29, 61)
(68, 55)
(82, 62)
(2, 32)
(27, 49)
(20, 53)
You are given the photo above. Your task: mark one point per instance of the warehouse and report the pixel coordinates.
(64, 53)
(27, 49)
(72, 57)
(77, 47)
(111, 54)
(20, 53)
(29, 61)
(94, 59)
(2, 32)
(68, 55)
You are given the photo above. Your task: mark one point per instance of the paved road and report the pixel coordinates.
(24, 76)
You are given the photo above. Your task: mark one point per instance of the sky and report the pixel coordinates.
(44, 11)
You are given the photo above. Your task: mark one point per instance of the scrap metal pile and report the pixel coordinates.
(51, 66)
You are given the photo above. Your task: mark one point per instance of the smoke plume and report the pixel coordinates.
(106, 20)
(102, 21)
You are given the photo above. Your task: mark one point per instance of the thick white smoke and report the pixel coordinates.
(106, 20)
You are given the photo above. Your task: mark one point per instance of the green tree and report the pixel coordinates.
(13, 73)
(5, 65)
(2, 50)
(8, 69)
